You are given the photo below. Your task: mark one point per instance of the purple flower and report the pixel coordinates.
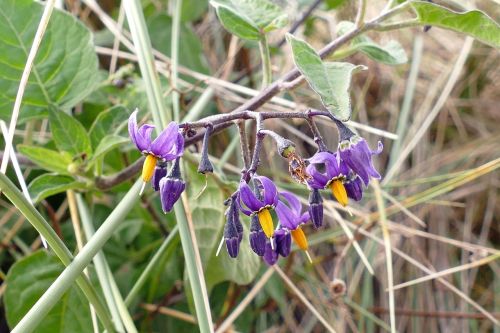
(171, 188)
(158, 174)
(332, 177)
(291, 216)
(354, 151)
(260, 202)
(354, 188)
(168, 146)
(271, 255)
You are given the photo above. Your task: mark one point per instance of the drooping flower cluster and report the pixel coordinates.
(345, 172)
(167, 147)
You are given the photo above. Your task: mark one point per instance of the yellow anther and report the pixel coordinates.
(266, 222)
(300, 238)
(339, 192)
(148, 167)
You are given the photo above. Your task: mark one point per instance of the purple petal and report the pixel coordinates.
(132, 127)
(304, 218)
(283, 242)
(318, 180)
(159, 173)
(143, 137)
(165, 141)
(258, 242)
(270, 255)
(270, 191)
(293, 202)
(249, 199)
(170, 191)
(322, 157)
(287, 218)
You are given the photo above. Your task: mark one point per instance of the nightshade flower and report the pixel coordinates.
(354, 151)
(171, 188)
(333, 176)
(259, 203)
(168, 146)
(291, 218)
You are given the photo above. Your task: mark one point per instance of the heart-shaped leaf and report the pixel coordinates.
(65, 68)
(330, 80)
(69, 135)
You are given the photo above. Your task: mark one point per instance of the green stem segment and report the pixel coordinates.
(176, 23)
(74, 270)
(265, 55)
(33, 216)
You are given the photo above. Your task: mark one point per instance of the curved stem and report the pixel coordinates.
(267, 73)
(56, 244)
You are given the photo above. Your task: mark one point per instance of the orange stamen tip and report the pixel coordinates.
(300, 238)
(266, 222)
(148, 167)
(339, 192)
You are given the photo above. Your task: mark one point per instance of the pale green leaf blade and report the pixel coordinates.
(331, 81)
(49, 184)
(474, 23)
(238, 25)
(108, 143)
(208, 217)
(28, 279)
(65, 68)
(249, 19)
(68, 133)
(47, 159)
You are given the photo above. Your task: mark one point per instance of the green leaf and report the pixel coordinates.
(26, 282)
(49, 184)
(68, 134)
(108, 121)
(249, 19)
(65, 68)
(108, 143)
(331, 81)
(192, 10)
(47, 159)
(208, 217)
(391, 53)
(474, 23)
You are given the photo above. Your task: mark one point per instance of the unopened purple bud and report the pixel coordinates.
(283, 242)
(257, 237)
(316, 208)
(158, 174)
(233, 246)
(205, 164)
(354, 188)
(233, 230)
(271, 255)
(171, 188)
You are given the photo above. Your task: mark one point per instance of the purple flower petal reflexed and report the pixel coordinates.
(291, 215)
(333, 169)
(168, 146)
(358, 157)
(250, 203)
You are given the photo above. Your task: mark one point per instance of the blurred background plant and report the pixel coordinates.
(431, 97)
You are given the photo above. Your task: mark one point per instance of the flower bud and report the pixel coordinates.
(231, 234)
(283, 242)
(270, 255)
(205, 164)
(257, 237)
(316, 208)
(354, 188)
(158, 174)
(171, 188)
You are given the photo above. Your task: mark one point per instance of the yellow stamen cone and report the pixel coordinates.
(300, 238)
(148, 168)
(339, 192)
(266, 222)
